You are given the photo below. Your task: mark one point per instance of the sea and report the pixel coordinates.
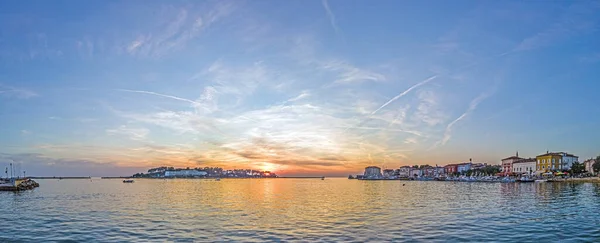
(300, 210)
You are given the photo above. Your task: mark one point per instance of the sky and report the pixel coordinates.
(106, 88)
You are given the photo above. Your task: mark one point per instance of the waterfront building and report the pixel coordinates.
(414, 172)
(451, 169)
(373, 172)
(185, 173)
(439, 170)
(508, 162)
(589, 166)
(568, 160)
(404, 171)
(464, 167)
(388, 173)
(429, 171)
(477, 166)
(548, 162)
(524, 166)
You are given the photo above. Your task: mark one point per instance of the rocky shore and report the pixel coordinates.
(17, 184)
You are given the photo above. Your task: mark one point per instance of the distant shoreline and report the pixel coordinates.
(200, 178)
(209, 178)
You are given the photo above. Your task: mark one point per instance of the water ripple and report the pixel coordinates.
(275, 210)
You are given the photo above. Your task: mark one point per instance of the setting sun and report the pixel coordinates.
(268, 167)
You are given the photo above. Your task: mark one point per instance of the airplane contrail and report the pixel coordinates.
(178, 98)
(404, 93)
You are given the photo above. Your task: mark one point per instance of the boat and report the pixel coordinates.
(323, 178)
(128, 181)
(525, 179)
(541, 180)
(218, 179)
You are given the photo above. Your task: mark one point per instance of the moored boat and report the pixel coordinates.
(128, 181)
(525, 179)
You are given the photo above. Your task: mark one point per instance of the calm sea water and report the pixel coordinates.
(308, 210)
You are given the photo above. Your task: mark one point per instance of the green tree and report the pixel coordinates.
(577, 168)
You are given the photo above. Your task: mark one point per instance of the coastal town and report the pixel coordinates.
(206, 172)
(543, 167)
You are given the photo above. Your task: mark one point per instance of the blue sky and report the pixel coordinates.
(298, 87)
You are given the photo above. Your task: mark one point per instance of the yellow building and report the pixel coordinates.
(548, 162)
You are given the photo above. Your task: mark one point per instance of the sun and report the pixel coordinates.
(267, 167)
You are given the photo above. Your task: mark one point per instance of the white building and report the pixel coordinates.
(404, 171)
(415, 172)
(568, 160)
(589, 166)
(373, 172)
(184, 173)
(463, 167)
(440, 170)
(524, 166)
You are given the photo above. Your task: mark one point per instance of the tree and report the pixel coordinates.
(577, 168)
(596, 165)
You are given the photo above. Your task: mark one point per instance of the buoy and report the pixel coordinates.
(402, 184)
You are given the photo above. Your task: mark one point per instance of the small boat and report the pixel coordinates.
(541, 180)
(218, 179)
(526, 179)
(323, 178)
(127, 181)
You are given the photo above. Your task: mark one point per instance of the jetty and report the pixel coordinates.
(16, 184)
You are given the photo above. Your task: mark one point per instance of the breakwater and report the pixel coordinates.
(18, 184)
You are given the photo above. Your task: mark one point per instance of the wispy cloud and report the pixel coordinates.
(138, 134)
(429, 110)
(579, 18)
(184, 26)
(350, 74)
(20, 93)
(331, 16)
(472, 106)
(302, 95)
